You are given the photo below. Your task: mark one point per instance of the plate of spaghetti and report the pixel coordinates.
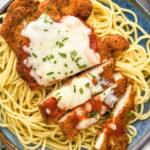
(74, 74)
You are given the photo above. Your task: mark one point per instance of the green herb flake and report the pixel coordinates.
(63, 55)
(75, 89)
(66, 73)
(100, 79)
(92, 75)
(33, 54)
(104, 93)
(50, 73)
(73, 55)
(59, 98)
(82, 67)
(98, 92)
(48, 58)
(65, 39)
(48, 8)
(111, 115)
(57, 93)
(93, 114)
(58, 72)
(71, 72)
(35, 8)
(58, 31)
(55, 62)
(128, 114)
(57, 43)
(54, 78)
(66, 65)
(45, 30)
(61, 44)
(81, 91)
(87, 85)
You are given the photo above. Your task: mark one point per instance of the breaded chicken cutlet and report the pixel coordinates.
(23, 12)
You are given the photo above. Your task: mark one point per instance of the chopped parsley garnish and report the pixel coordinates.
(59, 98)
(54, 78)
(45, 30)
(65, 39)
(34, 55)
(50, 73)
(81, 90)
(58, 31)
(77, 60)
(73, 55)
(61, 44)
(111, 115)
(46, 19)
(83, 66)
(58, 72)
(92, 75)
(31, 49)
(87, 85)
(75, 89)
(66, 65)
(128, 114)
(100, 79)
(55, 62)
(62, 55)
(98, 92)
(93, 114)
(34, 69)
(48, 58)
(104, 93)
(66, 73)
(35, 8)
(71, 71)
(57, 93)
(48, 8)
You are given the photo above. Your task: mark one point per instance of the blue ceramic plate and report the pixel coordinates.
(143, 127)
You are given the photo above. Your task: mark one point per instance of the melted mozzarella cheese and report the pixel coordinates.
(122, 102)
(99, 141)
(112, 126)
(58, 49)
(80, 89)
(85, 123)
(109, 97)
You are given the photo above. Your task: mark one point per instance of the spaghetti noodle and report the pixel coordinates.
(19, 111)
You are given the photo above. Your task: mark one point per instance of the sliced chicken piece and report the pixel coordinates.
(89, 113)
(77, 91)
(114, 134)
